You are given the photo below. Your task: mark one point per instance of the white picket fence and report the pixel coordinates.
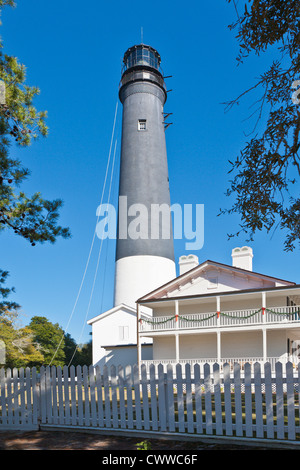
(197, 401)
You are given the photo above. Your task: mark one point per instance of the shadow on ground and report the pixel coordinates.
(59, 440)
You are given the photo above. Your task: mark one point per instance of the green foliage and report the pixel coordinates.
(20, 348)
(268, 167)
(50, 337)
(30, 216)
(4, 293)
(69, 347)
(78, 355)
(144, 445)
(3, 3)
(39, 343)
(83, 354)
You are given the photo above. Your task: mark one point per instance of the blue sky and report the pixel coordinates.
(73, 53)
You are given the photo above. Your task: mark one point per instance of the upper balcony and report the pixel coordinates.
(273, 317)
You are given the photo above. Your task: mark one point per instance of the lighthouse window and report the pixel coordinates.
(142, 125)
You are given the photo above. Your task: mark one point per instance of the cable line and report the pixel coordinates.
(98, 260)
(93, 240)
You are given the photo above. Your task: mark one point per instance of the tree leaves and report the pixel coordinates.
(4, 293)
(31, 217)
(268, 168)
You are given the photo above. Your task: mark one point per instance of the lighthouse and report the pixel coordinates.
(144, 249)
(144, 257)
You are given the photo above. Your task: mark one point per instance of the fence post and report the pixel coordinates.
(36, 398)
(42, 397)
(189, 400)
(258, 400)
(198, 399)
(153, 398)
(290, 400)
(248, 399)
(279, 401)
(161, 398)
(122, 397)
(180, 404)
(208, 404)
(227, 397)
(170, 399)
(238, 398)
(218, 403)
(145, 397)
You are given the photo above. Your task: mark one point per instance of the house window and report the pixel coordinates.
(290, 302)
(142, 125)
(123, 333)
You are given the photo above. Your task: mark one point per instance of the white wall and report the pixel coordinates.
(164, 347)
(124, 356)
(116, 328)
(135, 276)
(236, 344)
(242, 344)
(198, 346)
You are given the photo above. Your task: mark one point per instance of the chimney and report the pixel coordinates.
(186, 263)
(242, 257)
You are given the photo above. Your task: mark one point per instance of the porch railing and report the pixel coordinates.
(271, 315)
(228, 360)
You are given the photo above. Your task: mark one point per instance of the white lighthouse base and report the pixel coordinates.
(136, 276)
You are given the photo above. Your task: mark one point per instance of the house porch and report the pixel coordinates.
(210, 328)
(221, 347)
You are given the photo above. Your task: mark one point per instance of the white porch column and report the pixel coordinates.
(263, 305)
(218, 310)
(139, 348)
(177, 347)
(177, 334)
(264, 332)
(218, 332)
(176, 313)
(219, 346)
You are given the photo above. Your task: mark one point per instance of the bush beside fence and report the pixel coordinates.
(198, 401)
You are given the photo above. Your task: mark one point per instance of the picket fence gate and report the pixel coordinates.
(255, 402)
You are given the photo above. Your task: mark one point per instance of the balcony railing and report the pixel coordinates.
(287, 314)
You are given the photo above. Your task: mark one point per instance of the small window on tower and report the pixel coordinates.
(142, 125)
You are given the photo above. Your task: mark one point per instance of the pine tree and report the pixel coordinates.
(29, 216)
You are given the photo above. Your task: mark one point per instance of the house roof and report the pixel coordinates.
(294, 289)
(183, 278)
(126, 308)
(112, 310)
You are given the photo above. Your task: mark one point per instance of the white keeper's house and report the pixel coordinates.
(213, 312)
